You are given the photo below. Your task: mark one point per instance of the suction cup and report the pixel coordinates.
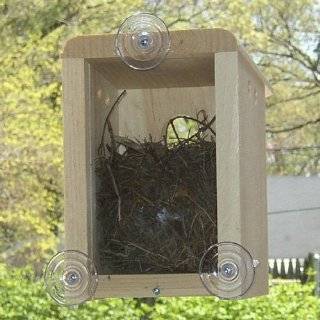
(71, 278)
(142, 41)
(227, 270)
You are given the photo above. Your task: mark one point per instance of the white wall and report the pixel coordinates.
(293, 216)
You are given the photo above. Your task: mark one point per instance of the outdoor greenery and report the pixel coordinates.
(283, 38)
(22, 297)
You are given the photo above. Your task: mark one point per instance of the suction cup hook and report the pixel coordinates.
(71, 278)
(227, 270)
(143, 41)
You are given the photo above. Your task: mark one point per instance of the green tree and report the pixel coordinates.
(22, 297)
(31, 161)
(282, 36)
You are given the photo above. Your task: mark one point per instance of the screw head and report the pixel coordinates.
(226, 270)
(144, 40)
(255, 263)
(156, 291)
(229, 270)
(71, 278)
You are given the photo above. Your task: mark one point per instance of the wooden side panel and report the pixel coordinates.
(228, 153)
(241, 181)
(87, 98)
(254, 221)
(228, 170)
(76, 154)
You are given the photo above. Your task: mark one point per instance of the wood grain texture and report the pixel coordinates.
(77, 202)
(189, 62)
(252, 144)
(241, 181)
(184, 44)
(146, 112)
(92, 77)
(184, 72)
(142, 285)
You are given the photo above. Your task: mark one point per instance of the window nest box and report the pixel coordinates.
(182, 164)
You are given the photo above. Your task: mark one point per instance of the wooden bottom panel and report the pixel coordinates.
(140, 286)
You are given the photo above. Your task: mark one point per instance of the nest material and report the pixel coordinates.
(157, 202)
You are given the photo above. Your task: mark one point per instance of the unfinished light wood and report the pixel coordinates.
(147, 112)
(184, 44)
(77, 201)
(189, 62)
(253, 191)
(143, 285)
(205, 69)
(87, 98)
(241, 180)
(184, 72)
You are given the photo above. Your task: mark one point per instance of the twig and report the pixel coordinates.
(116, 190)
(101, 148)
(147, 251)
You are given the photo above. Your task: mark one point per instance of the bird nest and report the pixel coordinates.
(156, 200)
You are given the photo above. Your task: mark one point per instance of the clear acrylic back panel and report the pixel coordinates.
(155, 176)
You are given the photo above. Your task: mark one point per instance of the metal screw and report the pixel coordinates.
(229, 270)
(256, 262)
(144, 40)
(71, 278)
(156, 291)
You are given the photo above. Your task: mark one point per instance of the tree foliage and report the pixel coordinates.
(282, 36)
(22, 297)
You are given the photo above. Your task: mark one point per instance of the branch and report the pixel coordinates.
(304, 59)
(294, 98)
(285, 55)
(291, 47)
(296, 148)
(286, 41)
(181, 19)
(283, 70)
(58, 23)
(299, 126)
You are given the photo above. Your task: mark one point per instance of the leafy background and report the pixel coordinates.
(282, 37)
(22, 297)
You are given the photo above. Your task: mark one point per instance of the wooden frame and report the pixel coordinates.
(203, 67)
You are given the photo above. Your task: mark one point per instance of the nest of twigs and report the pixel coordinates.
(156, 201)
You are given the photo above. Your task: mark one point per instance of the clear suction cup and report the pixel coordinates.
(71, 278)
(143, 41)
(227, 270)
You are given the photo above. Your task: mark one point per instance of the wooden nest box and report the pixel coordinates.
(205, 70)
